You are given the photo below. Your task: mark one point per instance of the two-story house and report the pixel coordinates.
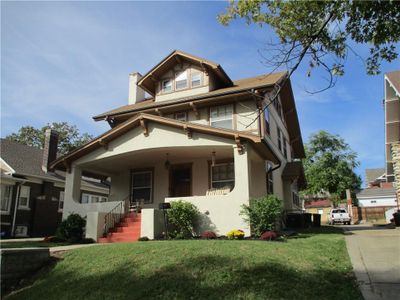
(189, 132)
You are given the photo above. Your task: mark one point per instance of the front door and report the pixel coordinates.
(180, 180)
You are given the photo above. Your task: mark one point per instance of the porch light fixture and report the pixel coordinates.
(167, 164)
(213, 158)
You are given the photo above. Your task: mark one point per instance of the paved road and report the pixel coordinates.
(375, 255)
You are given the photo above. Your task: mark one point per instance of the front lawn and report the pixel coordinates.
(312, 265)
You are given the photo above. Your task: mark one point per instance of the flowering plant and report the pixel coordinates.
(235, 234)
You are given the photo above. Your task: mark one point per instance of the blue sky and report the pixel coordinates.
(68, 61)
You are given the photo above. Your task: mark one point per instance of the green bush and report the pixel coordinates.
(182, 217)
(71, 229)
(262, 214)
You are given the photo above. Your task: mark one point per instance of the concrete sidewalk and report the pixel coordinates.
(375, 255)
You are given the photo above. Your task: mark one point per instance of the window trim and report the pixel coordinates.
(279, 138)
(162, 86)
(131, 188)
(232, 116)
(285, 152)
(10, 197)
(24, 207)
(176, 81)
(182, 112)
(221, 163)
(191, 78)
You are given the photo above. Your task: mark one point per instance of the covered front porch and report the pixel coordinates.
(216, 173)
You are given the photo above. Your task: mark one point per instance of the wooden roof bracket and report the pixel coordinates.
(153, 77)
(204, 67)
(159, 112)
(104, 144)
(195, 110)
(67, 166)
(144, 126)
(188, 131)
(239, 145)
(288, 112)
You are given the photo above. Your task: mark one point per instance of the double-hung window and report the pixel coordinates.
(221, 116)
(181, 116)
(24, 195)
(89, 198)
(166, 85)
(279, 139)
(181, 81)
(223, 175)
(6, 196)
(142, 185)
(195, 79)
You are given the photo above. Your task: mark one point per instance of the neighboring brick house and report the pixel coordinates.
(40, 194)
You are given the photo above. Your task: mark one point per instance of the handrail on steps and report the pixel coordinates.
(115, 215)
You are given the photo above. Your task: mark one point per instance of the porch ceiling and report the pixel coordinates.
(148, 158)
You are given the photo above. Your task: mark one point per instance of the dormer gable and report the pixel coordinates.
(181, 74)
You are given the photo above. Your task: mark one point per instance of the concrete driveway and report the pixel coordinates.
(375, 255)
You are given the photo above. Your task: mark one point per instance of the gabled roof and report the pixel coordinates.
(148, 80)
(377, 192)
(394, 78)
(372, 175)
(241, 85)
(27, 161)
(318, 203)
(140, 119)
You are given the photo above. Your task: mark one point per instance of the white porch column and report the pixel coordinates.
(72, 190)
(242, 172)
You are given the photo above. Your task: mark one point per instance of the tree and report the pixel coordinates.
(69, 137)
(329, 166)
(321, 30)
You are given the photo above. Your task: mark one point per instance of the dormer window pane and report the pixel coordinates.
(181, 80)
(167, 85)
(196, 79)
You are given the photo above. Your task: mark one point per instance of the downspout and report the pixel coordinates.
(16, 207)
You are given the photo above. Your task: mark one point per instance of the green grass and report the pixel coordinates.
(311, 265)
(6, 245)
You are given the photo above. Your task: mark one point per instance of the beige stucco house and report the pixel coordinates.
(199, 137)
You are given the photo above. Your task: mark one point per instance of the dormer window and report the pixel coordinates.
(181, 80)
(196, 79)
(166, 85)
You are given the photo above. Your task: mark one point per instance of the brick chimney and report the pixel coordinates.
(136, 93)
(50, 148)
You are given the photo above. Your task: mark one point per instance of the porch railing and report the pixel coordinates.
(115, 215)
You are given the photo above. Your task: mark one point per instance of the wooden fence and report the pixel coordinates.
(369, 213)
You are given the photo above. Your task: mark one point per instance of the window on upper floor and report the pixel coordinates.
(278, 106)
(181, 81)
(296, 199)
(166, 85)
(181, 116)
(195, 79)
(222, 116)
(279, 132)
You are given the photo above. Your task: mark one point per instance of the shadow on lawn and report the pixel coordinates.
(205, 277)
(312, 231)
